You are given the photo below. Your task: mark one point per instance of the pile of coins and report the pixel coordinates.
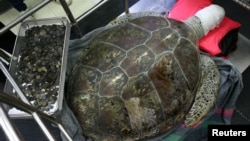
(38, 70)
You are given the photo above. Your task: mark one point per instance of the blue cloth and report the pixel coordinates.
(158, 6)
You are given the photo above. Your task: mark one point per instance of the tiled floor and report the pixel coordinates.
(53, 9)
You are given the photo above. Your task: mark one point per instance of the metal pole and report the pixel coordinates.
(7, 99)
(71, 17)
(10, 130)
(24, 16)
(126, 6)
(68, 11)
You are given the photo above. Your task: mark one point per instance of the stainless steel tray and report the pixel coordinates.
(26, 25)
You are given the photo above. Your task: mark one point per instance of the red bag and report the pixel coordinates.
(214, 42)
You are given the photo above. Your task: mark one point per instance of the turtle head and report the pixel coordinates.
(206, 19)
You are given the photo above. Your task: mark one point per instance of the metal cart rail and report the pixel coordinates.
(24, 105)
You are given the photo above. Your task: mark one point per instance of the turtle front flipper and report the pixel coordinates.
(206, 93)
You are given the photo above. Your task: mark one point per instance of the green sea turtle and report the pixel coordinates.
(143, 75)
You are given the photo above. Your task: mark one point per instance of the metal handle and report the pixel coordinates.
(24, 99)
(5, 98)
(5, 56)
(25, 105)
(9, 128)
